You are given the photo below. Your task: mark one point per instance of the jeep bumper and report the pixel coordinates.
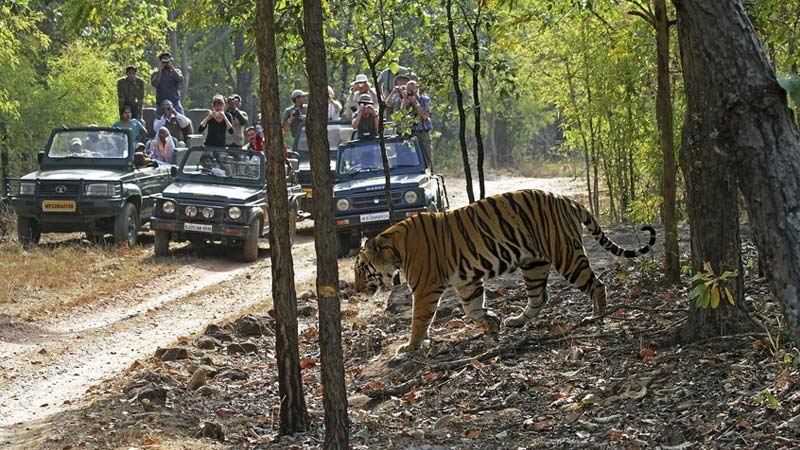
(69, 214)
(183, 230)
(368, 222)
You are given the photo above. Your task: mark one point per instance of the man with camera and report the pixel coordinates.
(239, 122)
(218, 122)
(179, 126)
(365, 121)
(295, 116)
(167, 82)
(359, 87)
(418, 107)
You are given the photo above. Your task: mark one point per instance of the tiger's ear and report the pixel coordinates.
(371, 247)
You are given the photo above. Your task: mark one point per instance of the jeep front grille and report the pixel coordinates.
(60, 188)
(376, 201)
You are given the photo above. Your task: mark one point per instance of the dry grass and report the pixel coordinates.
(69, 274)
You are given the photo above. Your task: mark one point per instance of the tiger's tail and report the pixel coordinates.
(591, 224)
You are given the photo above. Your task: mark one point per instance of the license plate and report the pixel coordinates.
(203, 228)
(374, 217)
(308, 192)
(58, 206)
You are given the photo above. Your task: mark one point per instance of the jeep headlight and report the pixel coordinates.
(410, 196)
(234, 212)
(168, 207)
(343, 204)
(27, 188)
(191, 211)
(208, 213)
(100, 190)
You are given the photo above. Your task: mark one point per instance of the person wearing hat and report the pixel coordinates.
(130, 92)
(179, 126)
(394, 99)
(359, 87)
(75, 145)
(167, 81)
(365, 121)
(295, 116)
(418, 107)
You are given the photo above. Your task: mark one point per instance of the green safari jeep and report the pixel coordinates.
(89, 180)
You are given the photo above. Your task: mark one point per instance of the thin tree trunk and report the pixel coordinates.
(727, 72)
(244, 75)
(476, 66)
(330, 322)
(665, 131)
(712, 193)
(293, 415)
(586, 158)
(492, 120)
(462, 115)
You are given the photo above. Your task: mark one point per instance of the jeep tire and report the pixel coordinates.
(28, 231)
(161, 243)
(250, 244)
(126, 225)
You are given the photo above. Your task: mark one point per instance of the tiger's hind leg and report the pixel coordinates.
(472, 301)
(576, 269)
(423, 309)
(535, 275)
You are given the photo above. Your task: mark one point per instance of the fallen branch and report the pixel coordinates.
(393, 391)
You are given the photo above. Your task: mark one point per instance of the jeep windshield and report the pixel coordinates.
(223, 165)
(89, 144)
(366, 157)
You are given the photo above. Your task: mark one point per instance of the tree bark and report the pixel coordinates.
(244, 76)
(753, 132)
(330, 327)
(665, 131)
(711, 188)
(293, 415)
(476, 66)
(462, 115)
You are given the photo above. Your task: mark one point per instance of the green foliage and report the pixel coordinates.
(767, 397)
(710, 288)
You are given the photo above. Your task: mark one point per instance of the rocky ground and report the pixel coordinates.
(550, 384)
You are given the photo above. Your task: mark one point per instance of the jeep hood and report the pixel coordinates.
(358, 186)
(77, 174)
(305, 166)
(211, 192)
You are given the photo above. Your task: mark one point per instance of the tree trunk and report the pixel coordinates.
(330, 326)
(712, 194)
(476, 66)
(492, 121)
(244, 76)
(462, 115)
(727, 72)
(290, 387)
(665, 130)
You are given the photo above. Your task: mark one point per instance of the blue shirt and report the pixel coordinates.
(137, 128)
(425, 105)
(168, 88)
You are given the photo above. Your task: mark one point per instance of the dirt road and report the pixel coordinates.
(49, 359)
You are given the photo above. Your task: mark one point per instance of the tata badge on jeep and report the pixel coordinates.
(359, 196)
(219, 195)
(89, 180)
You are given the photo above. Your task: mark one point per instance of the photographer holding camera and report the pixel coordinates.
(418, 107)
(167, 81)
(295, 116)
(366, 118)
(239, 122)
(359, 87)
(218, 122)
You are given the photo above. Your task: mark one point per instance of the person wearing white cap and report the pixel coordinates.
(359, 87)
(295, 116)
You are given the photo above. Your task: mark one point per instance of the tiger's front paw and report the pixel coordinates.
(515, 321)
(489, 322)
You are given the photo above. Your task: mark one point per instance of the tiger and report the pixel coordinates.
(527, 229)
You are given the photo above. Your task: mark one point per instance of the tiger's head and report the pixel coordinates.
(375, 265)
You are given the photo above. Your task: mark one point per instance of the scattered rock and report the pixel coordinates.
(232, 374)
(242, 347)
(207, 342)
(218, 333)
(172, 353)
(211, 430)
(206, 391)
(308, 295)
(306, 311)
(251, 326)
(150, 392)
(198, 379)
(398, 304)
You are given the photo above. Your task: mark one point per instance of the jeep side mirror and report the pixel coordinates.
(173, 171)
(293, 163)
(39, 158)
(138, 159)
(293, 155)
